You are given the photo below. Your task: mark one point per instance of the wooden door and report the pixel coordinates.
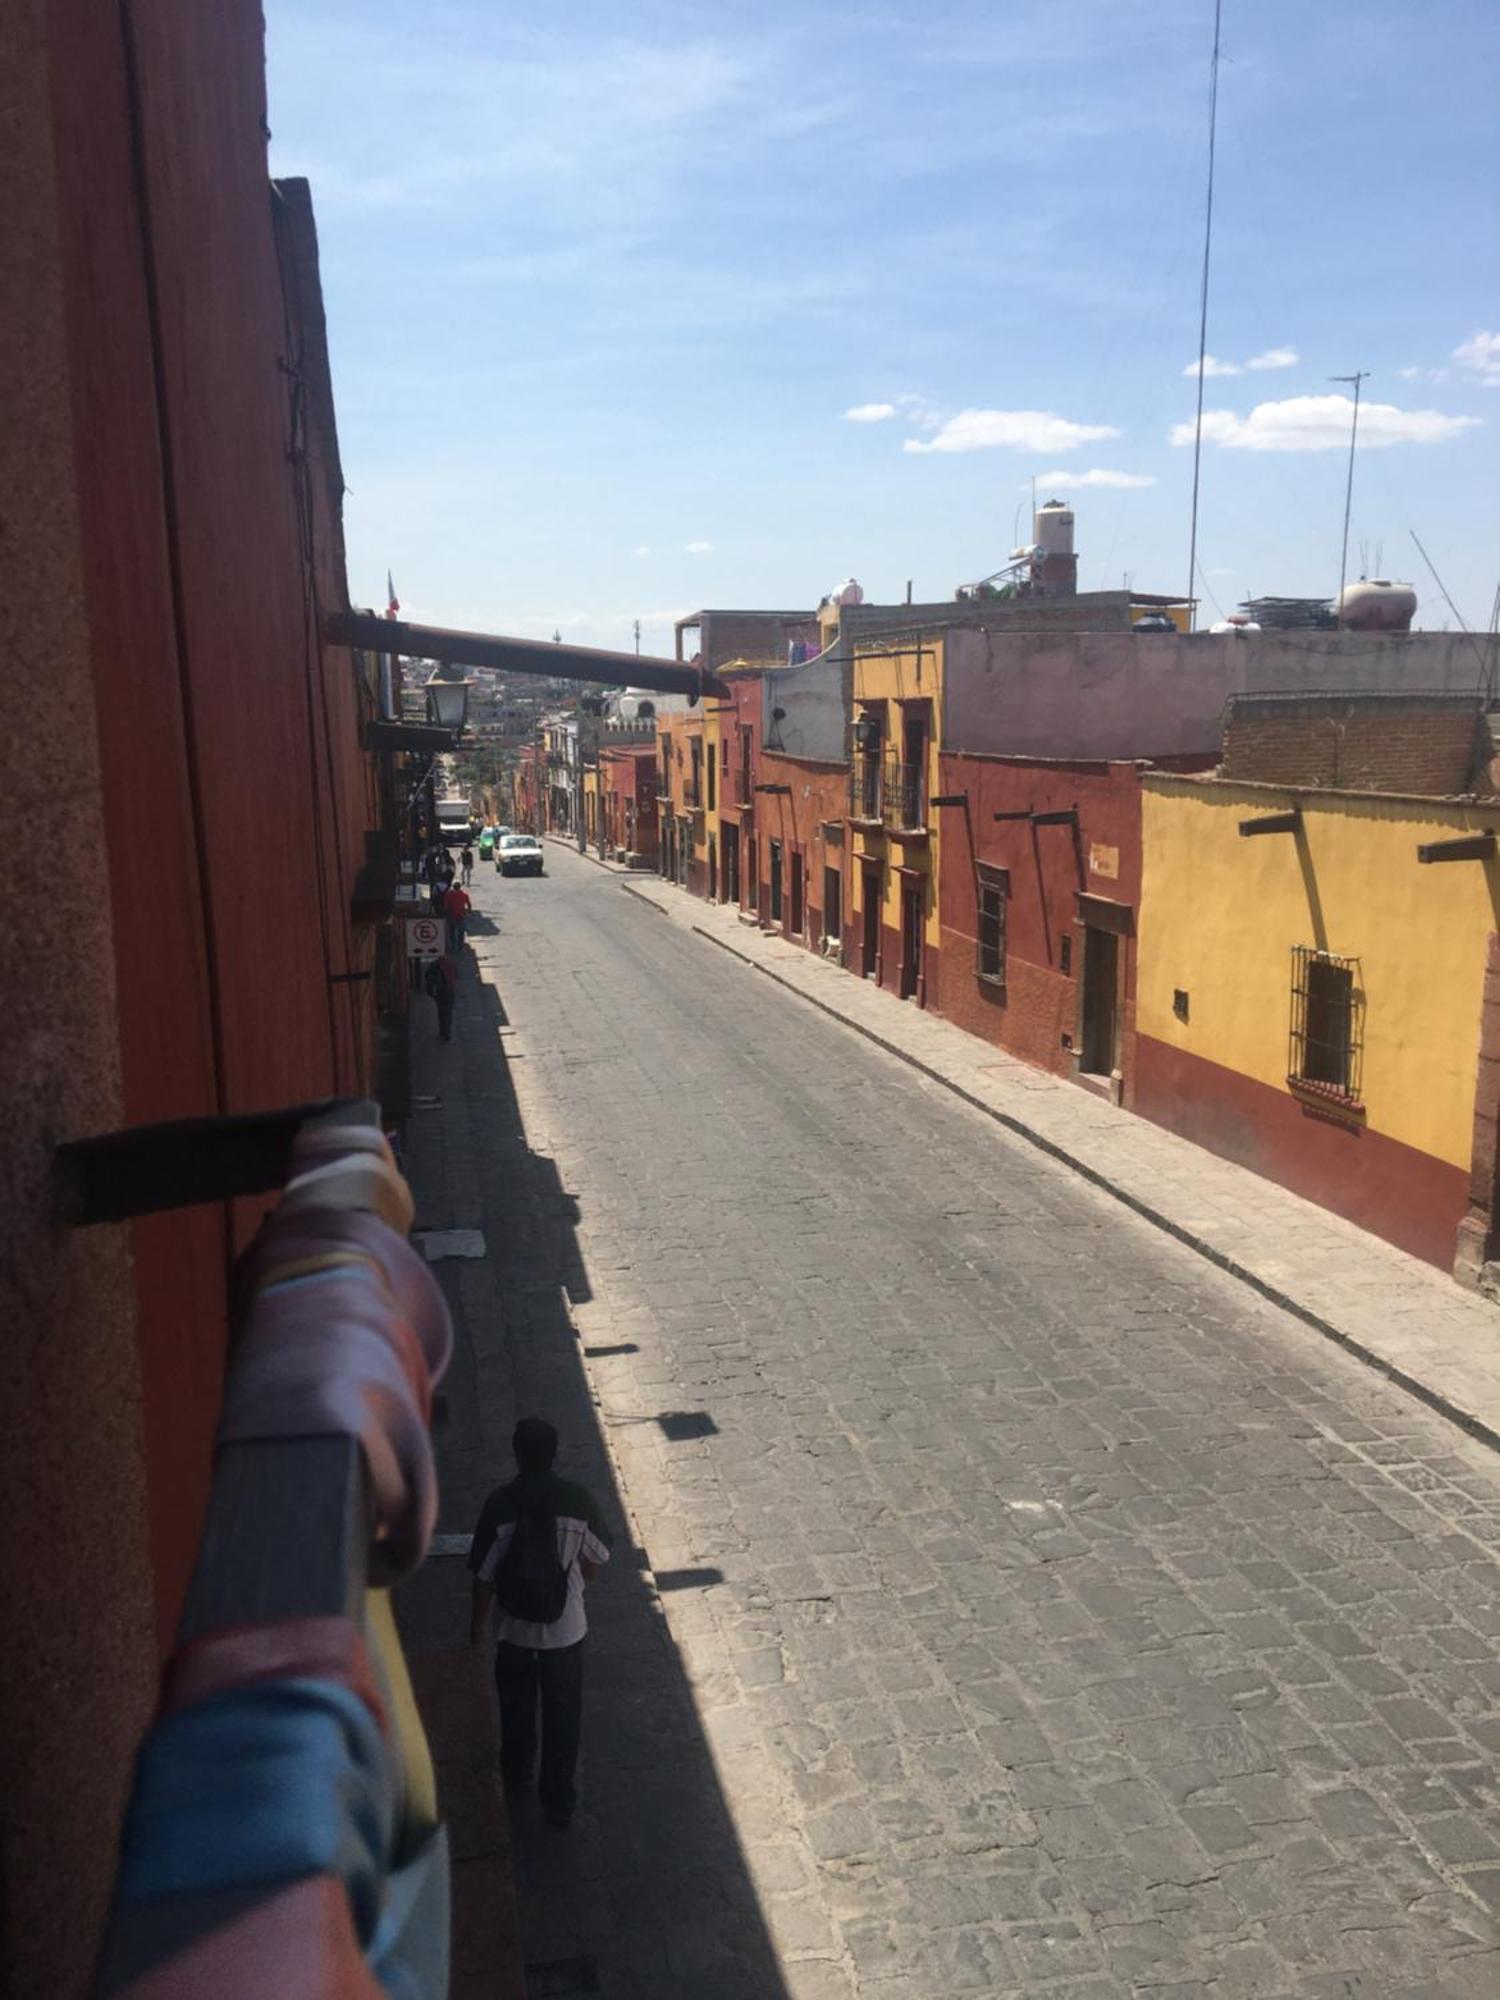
(795, 925)
(870, 896)
(1101, 965)
(911, 939)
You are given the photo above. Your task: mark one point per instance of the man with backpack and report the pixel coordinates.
(538, 1541)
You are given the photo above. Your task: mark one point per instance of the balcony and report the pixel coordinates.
(866, 789)
(739, 786)
(905, 800)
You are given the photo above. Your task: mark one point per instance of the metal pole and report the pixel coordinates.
(1208, 237)
(1356, 379)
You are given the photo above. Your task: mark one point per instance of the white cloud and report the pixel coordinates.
(699, 548)
(1015, 430)
(1275, 357)
(641, 551)
(1321, 423)
(1097, 476)
(1481, 353)
(1211, 366)
(870, 413)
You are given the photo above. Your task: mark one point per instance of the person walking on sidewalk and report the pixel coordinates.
(538, 1540)
(457, 904)
(441, 981)
(466, 863)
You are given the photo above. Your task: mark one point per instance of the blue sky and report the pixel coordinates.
(603, 283)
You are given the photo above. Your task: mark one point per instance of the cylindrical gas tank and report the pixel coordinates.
(1054, 529)
(1377, 605)
(848, 592)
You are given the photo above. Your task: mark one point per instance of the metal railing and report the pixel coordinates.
(905, 796)
(866, 787)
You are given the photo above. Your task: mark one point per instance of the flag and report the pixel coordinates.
(392, 601)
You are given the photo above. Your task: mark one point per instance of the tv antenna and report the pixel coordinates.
(1360, 375)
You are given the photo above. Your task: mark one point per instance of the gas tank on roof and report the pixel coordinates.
(848, 592)
(1375, 604)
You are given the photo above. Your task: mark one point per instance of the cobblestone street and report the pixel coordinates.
(1005, 1601)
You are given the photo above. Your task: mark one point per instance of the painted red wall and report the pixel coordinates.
(1035, 1017)
(1394, 1191)
(235, 789)
(819, 793)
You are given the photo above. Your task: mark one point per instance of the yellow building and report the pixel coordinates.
(1310, 992)
(893, 852)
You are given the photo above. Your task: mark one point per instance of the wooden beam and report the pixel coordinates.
(1468, 847)
(1284, 822)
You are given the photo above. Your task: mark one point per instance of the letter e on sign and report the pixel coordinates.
(424, 937)
(1104, 860)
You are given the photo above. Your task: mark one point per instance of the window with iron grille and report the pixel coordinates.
(1327, 1037)
(993, 891)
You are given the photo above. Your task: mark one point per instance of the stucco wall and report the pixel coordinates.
(185, 776)
(79, 1656)
(1121, 694)
(814, 700)
(1220, 916)
(1036, 1014)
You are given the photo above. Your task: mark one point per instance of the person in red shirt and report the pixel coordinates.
(456, 907)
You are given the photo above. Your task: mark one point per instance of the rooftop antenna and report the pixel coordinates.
(1360, 375)
(1208, 237)
(638, 635)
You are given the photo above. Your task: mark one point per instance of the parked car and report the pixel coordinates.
(519, 854)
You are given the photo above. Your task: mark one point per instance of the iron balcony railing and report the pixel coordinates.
(905, 796)
(740, 785)
(866, 789)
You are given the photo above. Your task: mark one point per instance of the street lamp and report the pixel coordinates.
(448, 702)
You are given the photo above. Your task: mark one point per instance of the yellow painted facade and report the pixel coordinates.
(887, 675)
(1220, 916)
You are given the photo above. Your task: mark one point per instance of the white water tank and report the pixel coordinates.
(1054, 529)
(848, 592)
(1375, 604)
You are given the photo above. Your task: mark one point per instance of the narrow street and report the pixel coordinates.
(1003, 1602)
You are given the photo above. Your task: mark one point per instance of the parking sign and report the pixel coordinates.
(424, 937)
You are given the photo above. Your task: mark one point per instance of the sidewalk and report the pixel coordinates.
(1403, 1317)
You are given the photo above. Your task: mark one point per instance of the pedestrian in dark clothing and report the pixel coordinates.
(441, 981)
(467, 862)
(539, 1539)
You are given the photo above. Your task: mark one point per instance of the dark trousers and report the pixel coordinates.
(444, 998)
(555, 1678)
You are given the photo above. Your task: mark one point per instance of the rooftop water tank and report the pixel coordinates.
(848, 592)
(1375, 604)
(1054, 528)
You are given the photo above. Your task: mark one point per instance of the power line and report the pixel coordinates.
(1208, 237)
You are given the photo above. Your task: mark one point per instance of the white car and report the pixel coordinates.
(519, 854)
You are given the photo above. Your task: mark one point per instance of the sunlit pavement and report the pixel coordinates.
(1004, 1602)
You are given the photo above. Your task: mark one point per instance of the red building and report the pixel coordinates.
(185, 773)
(800, 807)
(628, 783)
(1039, 886)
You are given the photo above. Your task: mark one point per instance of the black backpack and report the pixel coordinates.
(530, 1581)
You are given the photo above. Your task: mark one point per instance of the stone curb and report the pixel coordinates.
(1467, 1420)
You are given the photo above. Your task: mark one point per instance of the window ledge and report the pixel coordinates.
(1325, 1093)
(993, 980)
